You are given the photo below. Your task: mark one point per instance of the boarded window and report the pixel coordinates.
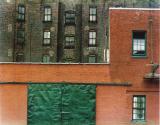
(59, 104)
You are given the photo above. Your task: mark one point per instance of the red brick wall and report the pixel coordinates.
(126, 68)
(114, 106)
(54, 73)
(13, 104)
(123, 66)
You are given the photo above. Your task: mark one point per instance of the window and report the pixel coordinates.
(47, 14)
(19, 57)
(92, 14)
(20, 36)
(70, 17)
(69, 42)
(21, 12)
(139, 107)
(139, 43)
(47, 38)
(46, 58)
(92, 38)
(92, 59)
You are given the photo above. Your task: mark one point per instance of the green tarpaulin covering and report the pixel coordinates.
(61, 104)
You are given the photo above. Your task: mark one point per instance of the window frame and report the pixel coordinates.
(70, 46)
(20, 54)
(46, 44)
(139, 108)
(19, 37)
(69, 18)
(46, 55)
(92, 15)
(92, 45)
(48, 15)
(92, 55)
(145, 38)
(20, 13)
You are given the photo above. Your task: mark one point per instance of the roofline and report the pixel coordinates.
(121, 8)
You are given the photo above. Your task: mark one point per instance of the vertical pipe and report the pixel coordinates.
(14, 34)
(151, 36)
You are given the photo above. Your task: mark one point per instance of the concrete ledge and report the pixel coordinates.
(74, 83)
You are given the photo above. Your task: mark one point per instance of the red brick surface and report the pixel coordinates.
(117, 109)
(54, 73)
(13, 104)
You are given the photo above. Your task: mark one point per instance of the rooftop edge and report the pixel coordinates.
(122, 8)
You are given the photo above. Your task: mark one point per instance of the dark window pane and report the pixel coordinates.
(19, 57)
(139, 43)
(70, 17)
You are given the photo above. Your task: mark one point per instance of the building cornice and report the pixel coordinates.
(121, 8)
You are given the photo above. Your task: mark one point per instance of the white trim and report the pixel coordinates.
(121, 8)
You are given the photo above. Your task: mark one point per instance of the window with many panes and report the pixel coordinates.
(69, 42)
(47, 14)
(46, 58)
(92, 59)
(139, 107)
(92, 14)
(70, 17)
(19, 57)
(92, 38)
(20, 36)
(21, 13)
(46, 37)
(139, 43)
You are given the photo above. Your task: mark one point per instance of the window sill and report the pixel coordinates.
(19, 20)
(139, 57)
(92, 22)
(142, 122)
(47, 21)
(46, 44)
(92, 46)
(69, 47)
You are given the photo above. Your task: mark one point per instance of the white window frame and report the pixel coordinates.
(46, 37)
(93, 14)
(92, 38)
(47, 14)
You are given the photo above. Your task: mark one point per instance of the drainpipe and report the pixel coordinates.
(151, 36)
(15, 18)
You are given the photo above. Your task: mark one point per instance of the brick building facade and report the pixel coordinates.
(121, 93)
(58, 30)
(55, 31)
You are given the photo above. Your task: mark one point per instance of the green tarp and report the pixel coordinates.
(61, 104)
